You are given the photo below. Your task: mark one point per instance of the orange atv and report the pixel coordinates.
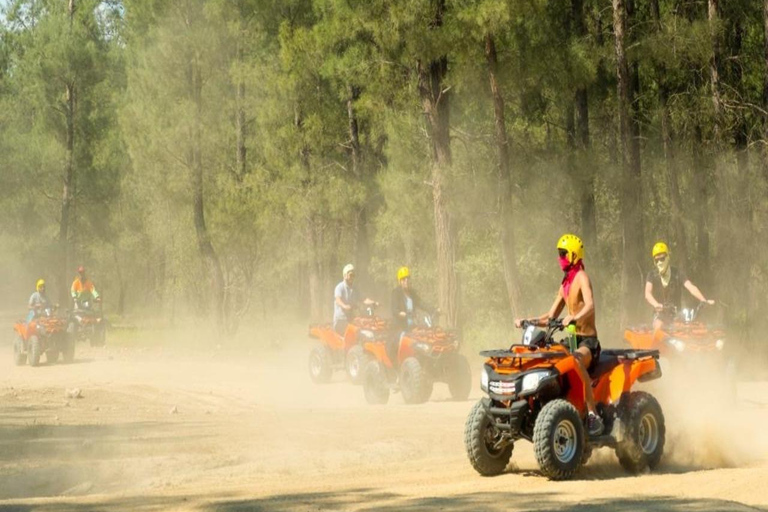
(681, 333)
(683, 339)
(426, 354)
(45, 334)
(534, 392)
(337, 352)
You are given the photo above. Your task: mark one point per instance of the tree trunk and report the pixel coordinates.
(765, 94)
(312, 234)
(361, 243)
(671, 181)
(580, 141)
(204, 244)
(435, 102)
(714, 61)
(68, 181)
(506, 215)
(631, 191)
(241, 127)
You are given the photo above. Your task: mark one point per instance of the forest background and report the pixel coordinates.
(222, 160)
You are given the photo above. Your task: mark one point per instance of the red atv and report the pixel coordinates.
(45, 334)
(336, 352)
(426, 354)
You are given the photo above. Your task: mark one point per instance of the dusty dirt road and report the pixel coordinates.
(213, 431)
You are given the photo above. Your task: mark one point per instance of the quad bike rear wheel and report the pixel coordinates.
(459, 376)
(488, 453)
(35, 350)
(320, 364)
(558, 440)
(19, 356)
(357, 359)
(415, 383)
(375, 383)
(645, 432)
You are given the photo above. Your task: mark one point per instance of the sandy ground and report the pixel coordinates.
(216, 431)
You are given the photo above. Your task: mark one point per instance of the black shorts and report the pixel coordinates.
(593, 344)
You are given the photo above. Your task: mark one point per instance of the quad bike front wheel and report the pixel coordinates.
(356, 362)
(35, 350)
(375, 383)
(98, 335)
(19, 356)
(558, 440)
(645, 432)
(415, 383)
(68, 351)
(320, 365)
(488, 452)
(459, 376)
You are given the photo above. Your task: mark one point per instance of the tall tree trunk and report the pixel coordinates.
(312, 233)
(631, 191)
(714, 62)
(68, 180)
(581, 140)
(765, 94)
(361, 245)
(435, 101)
(506, 215)
(671, 181)
(241, 124)
(204, 244)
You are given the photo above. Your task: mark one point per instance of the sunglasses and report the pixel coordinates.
(660, 257)
(563, 253)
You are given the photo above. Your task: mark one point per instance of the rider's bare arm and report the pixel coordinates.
(649, 296)
(342, 304)
(694, 290)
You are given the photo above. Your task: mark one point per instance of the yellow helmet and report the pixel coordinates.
(659, 248)
(573, 246)
(402, 273)
(40, 284)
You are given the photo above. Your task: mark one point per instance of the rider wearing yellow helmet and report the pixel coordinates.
(405, 302)
(668, 282)
(576, 294)
(38, 301)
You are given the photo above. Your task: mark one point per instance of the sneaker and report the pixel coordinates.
(594, 424)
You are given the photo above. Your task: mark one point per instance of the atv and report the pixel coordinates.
(45, 334)
(336, 352)
(685, 339)
(426, 354)
(534, 392)
(87, 322)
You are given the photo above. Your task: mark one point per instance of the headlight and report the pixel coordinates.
(420, 345)
(719, 344)
(679, 345)
(365, 333)
(531, 381)
(484, 379)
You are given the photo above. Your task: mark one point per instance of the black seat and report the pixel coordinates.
(605, 364)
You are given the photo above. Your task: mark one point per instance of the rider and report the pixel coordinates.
(576, 293)
(668, 281)
(345, 298)
(405, 302)
(38, 301)
(82, 288)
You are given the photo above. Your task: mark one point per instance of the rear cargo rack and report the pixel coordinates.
(631, 354)
(508, 354)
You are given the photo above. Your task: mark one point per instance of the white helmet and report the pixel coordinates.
(347, 269)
